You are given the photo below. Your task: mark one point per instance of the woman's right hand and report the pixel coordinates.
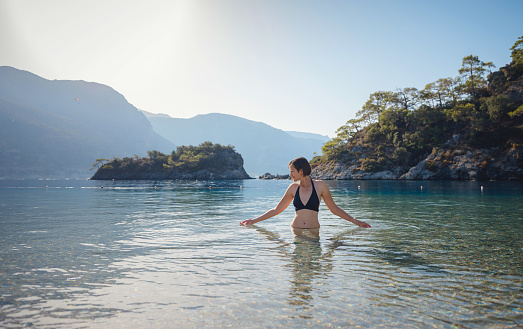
(247, 222)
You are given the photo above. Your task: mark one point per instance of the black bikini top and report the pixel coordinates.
(312, 204)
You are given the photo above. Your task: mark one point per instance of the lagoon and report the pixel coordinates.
(171, 254)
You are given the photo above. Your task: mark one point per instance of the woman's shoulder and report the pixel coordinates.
(293, 187)
(319, 184)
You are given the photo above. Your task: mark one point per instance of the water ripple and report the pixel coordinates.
(171, 254)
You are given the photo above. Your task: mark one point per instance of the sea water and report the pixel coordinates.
(171, 254)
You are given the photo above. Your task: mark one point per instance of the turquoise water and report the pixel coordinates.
(171, 254)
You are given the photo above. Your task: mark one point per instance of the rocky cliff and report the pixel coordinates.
(447, 163)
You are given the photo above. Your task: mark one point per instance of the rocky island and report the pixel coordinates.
(271, 176)
(203, 162)
(469, 127)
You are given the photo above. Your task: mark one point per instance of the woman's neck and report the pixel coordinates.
(306, 181)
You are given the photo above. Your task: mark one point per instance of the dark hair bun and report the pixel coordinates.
(301, 163)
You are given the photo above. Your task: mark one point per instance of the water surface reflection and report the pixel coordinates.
(309, 262)
(171, 254)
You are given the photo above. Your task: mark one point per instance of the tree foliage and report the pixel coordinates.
(99, 163)
(517, 51)
(473, 73)
(183, 159)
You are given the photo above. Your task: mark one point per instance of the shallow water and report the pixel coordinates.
(171, 254)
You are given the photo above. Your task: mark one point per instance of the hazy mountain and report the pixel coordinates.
(299, 134)
(56, 128)
(263, 148)
(59, 128)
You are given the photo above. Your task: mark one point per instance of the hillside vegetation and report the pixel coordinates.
(464, 127)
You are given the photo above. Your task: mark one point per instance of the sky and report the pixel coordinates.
(296, 65)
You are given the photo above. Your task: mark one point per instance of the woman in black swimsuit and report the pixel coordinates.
(305, 193)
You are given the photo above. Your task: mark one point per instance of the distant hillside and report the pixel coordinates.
(263, 148)
(299, 134)
(59, 128)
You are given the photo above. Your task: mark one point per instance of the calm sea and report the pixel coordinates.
(166, 254)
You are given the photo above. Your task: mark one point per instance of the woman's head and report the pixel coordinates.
(301, 164)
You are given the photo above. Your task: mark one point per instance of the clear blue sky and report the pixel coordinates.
(294, 64)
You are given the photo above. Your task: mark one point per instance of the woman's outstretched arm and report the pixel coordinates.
(327, 198)
(282, 205)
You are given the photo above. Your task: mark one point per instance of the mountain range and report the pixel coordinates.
(263, 148)
(58, 128)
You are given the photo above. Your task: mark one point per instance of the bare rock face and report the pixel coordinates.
(442, 164)
(483, 164)
(515, 91)
(345, 172)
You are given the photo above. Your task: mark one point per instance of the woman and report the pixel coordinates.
(305, 193)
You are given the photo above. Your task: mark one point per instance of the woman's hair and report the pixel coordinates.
(301, 163)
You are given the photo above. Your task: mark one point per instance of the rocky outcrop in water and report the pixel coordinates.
(441, 164)
(204, 162)
(277, 176)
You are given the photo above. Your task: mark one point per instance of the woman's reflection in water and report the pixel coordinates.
(309, 265)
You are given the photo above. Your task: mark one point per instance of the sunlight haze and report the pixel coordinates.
(295, 65)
